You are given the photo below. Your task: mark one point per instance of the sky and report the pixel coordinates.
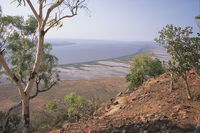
(124, 20)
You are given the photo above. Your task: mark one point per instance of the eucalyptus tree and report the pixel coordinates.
(48, 13)
(20, 49)
(184, 49)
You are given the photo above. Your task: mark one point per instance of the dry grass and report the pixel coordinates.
(100, 89)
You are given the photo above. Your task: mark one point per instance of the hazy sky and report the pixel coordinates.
(127, 20)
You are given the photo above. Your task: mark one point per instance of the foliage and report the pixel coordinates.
(198, 20)
(144, 66)
(197, 17)
(156, 67)
(21, 49)
(77, 105)
(43, 15)
(51, 106)
(4, 27)
(183, 48)
(75, 101)
(77, 108)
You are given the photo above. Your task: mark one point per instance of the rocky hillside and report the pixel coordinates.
(150, 109)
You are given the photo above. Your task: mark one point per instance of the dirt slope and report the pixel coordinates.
(150, 109)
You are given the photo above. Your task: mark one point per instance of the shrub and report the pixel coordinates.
(77, 106)
(144, 66)
(51, 106)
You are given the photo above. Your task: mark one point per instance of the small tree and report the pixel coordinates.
(184, 50)
(144, 66)
(48, 14)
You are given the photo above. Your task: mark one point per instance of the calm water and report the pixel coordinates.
(78, 51)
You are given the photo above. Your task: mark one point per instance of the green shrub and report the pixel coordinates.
(76, 106)
(51, 106)
(75, 101)
(144, 66)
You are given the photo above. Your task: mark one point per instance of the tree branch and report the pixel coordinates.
(34, 11)
(12, 76)
(50, 10)
(73, 8)
(57, 21)
(41, 91)
(40, 48)
(41, 9)
(12, 108)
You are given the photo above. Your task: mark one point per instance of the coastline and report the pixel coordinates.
(120, 58)
(117, 67)
(114, 67)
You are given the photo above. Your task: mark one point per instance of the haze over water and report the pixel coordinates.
(78, 51)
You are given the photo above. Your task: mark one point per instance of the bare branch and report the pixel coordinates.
(59, 2)
(74, 6)
(57, 21)
(34, 11)
(41, 91)
(13, 108)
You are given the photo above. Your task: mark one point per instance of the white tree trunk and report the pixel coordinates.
(38, 59)
(26, 115)
(29, 86)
